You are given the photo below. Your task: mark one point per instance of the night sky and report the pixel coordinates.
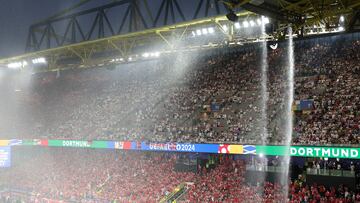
(16, 16)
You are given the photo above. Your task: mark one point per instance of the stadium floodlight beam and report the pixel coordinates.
(341, 28)
(211, 30)
(342, 19)
(117, 59)
(237, 25)
(265, 20)
(157, 54)
(252, 23)
(246, 23)
(17, 65)
(204, 31)
(258, 21)
(39, 60)
(198, 32)
(14, 65)
(193, 33)
(145, 55)
(225, 28)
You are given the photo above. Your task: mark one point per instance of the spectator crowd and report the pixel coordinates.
(87, 175)
(78, 175)
(212, 96)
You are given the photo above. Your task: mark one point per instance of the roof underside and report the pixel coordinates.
(303, 15)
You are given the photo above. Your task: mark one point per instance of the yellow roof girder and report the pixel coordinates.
(310, 6)
(109, 41)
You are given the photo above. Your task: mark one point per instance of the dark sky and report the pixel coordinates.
(17, 15)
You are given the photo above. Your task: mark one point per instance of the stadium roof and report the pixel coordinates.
(76, 47)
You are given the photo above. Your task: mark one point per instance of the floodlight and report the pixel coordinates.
(225, 28)
(342, 19)
(204, 31)
(211, 30)
(252, 23)
(258, 21)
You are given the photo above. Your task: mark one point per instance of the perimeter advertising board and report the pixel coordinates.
(216, 148)
(327, 152)
(79, 143)
(5, 157)
(310, 151)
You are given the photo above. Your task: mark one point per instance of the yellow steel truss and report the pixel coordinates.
(312, 12)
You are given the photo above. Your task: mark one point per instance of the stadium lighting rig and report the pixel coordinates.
(238, 15)
(203, 31)
(211, 30)
(117, 60)
(41, 60)
(341, 23)
(145, 55)
(265, 20)
(342, 19)
(258, 21)
(225, 28)
(17, 65)
(155, 54)
(136, 57)
(207, 30)
(246, 24)
(24, 63)
(200, 31)
(152, 54)
(252, 23)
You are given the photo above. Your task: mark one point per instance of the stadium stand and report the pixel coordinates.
(191, 110)
(92, 176)
(213, 98)
(87, 175)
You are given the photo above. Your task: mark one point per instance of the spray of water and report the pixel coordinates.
(263, 101)
(289, 101)
(264, 93)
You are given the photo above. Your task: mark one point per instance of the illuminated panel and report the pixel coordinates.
(5, 157)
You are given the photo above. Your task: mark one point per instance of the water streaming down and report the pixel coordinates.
(263, 121)
(264, 92)
(288, 110)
